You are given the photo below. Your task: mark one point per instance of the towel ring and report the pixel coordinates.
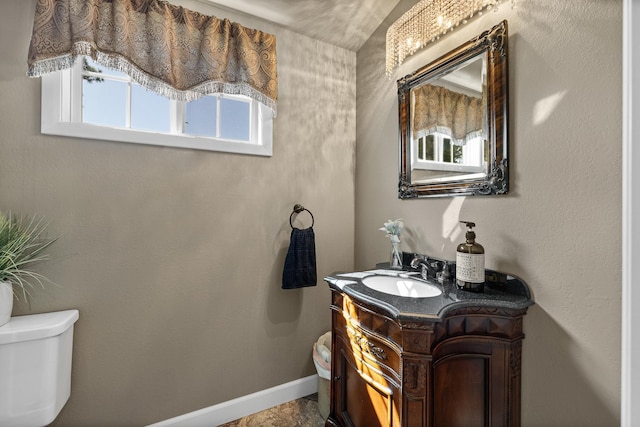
(296, 210)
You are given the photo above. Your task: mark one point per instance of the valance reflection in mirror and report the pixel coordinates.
(453, 122)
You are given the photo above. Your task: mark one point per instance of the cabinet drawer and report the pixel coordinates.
(373, 358)
(375, 324)
(373, 350)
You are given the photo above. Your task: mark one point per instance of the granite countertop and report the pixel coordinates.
(501, 291)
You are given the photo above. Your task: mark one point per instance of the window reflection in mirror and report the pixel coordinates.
(448, 137)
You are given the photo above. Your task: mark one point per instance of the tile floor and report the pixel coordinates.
(301, 412)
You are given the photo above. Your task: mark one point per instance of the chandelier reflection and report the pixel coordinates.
(425, 22)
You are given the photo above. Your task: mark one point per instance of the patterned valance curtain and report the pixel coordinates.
(437, 109)
(176, 52)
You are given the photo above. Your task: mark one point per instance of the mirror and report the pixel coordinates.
(453, 122)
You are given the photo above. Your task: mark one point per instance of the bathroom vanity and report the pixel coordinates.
(449, 359)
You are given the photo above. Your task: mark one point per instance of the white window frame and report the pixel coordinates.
(61, 115)
(440, 165)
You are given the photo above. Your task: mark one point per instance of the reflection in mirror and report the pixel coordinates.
(449, 125)
(453, 123)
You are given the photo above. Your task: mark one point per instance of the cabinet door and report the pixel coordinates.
(362, 399)
(471, 384)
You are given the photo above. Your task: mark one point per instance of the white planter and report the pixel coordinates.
(6, 302)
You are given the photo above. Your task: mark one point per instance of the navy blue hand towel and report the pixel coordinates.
(300, 264)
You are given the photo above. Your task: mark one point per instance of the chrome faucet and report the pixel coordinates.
(425, 266)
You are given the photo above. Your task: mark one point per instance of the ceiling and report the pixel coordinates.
(344, 23)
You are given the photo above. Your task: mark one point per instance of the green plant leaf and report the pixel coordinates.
(23, 242)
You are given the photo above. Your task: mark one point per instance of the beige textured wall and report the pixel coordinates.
(174, 257)
(559, 228)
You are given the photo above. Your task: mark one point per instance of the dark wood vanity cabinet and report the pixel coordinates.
(459, 371)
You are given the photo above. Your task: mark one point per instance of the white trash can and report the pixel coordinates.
(322, 360)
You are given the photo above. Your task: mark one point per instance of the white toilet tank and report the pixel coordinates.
(35, 367)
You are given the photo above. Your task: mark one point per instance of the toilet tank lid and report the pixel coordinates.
(37, 326)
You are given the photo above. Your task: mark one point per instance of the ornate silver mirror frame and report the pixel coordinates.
(487, 174)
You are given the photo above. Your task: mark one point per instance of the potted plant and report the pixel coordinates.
(22, 244)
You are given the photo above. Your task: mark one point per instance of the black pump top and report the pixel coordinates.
(470, 224)
(470, 235)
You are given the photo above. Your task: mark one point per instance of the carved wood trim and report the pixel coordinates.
(515, 358)
(367, 346)
(414, 377)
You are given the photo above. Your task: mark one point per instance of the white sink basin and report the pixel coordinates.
(402, 287)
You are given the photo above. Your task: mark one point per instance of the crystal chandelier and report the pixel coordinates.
(426, 21)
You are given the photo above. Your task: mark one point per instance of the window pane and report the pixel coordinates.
(430, 152)
(446, 150)
(201, 117)
(91, 66)
(104, 102)
(457, 154)
(234, 119)
(149, 111)
(485, 150)
(420, 148)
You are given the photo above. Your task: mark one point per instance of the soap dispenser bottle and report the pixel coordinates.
(470, 262)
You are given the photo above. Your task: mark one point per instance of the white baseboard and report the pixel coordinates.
(245, 405)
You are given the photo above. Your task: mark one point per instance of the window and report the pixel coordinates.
(437, 152)
(92, 101)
